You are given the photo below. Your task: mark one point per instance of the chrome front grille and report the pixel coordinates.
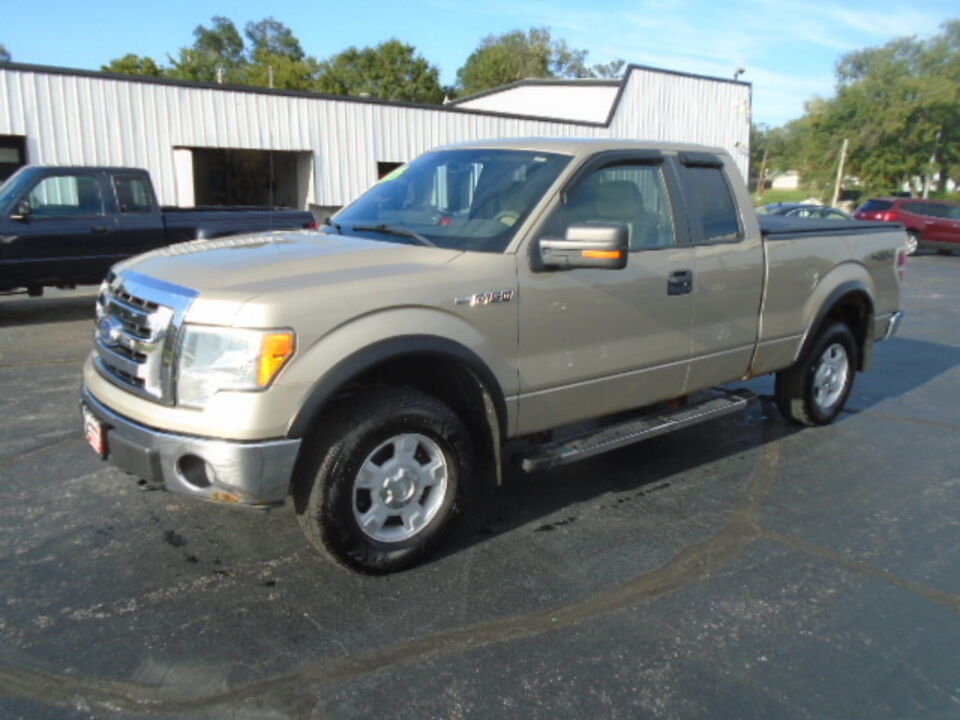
(138, 326)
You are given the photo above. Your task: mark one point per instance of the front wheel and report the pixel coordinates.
(385, 476)
(815, 389)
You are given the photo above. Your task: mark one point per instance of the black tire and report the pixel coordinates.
(384, 430)
(809, 398)
(945, 252)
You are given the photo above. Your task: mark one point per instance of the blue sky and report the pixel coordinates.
(788, 49)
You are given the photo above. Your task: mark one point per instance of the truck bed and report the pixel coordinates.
(778, 227)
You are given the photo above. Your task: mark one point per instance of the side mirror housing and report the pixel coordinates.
(598, 245)
(21, 211)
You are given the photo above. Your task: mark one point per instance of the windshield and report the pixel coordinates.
(457, 199)
(14, 187)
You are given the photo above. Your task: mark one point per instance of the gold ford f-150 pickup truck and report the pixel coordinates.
(535, 301)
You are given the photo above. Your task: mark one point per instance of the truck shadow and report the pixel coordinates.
(542, 502)
(77, 305)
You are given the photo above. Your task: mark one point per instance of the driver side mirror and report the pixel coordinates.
(22, 210)
(598, 245)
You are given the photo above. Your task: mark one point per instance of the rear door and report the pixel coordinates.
(594, 342)
(68, 234)
(139, 224)
(728, 272)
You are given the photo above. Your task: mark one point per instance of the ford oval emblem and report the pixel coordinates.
(109, 330)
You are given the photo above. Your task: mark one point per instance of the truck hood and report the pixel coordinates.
(243, 266)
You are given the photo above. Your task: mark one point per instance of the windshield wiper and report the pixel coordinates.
(395, 230)
(335, 225)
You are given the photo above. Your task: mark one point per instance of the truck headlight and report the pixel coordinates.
(217, 358)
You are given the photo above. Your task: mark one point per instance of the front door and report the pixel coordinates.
(67, 232)
(593, 342)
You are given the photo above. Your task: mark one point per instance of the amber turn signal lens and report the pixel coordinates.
(275, 350)
(602, 254)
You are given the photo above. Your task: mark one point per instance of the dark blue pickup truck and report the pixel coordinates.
(65, 226)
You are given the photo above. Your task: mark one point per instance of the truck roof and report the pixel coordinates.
(576, 146)
(86, 168)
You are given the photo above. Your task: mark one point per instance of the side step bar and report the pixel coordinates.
(635, 430)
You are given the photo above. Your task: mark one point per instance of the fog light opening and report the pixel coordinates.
(195, 471)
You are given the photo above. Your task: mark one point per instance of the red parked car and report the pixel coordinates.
(933, 224)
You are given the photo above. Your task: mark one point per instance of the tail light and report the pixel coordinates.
(887, 216)
(312, 225)
(901, 263)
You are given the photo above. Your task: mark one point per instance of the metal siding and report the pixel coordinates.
(98, 121)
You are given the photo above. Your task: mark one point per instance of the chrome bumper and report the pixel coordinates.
(245, 473)
(892, 325)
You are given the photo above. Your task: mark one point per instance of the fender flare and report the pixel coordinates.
(833, 299)
(359, 362)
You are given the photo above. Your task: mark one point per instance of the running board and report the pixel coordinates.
(632, 431)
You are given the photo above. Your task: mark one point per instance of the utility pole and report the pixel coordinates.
(928, 176)
(836, 186)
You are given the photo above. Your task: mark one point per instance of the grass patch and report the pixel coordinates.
(776, 196)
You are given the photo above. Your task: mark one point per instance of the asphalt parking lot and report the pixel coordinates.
(741, 569)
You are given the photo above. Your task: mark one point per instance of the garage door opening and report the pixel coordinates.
(13, 154)
(271, 178)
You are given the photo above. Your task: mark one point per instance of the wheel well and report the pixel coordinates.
(454, 384)
(856, 311)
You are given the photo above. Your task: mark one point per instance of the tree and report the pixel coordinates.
(503, 59)
(899, 106)
(391, 71)
(217, 55)
(276, 58)
(131, 64)
(4, 54)
(613, 69)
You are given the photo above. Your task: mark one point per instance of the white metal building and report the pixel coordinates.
(214, 144)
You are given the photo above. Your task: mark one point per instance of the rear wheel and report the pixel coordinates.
(384, 479)
(815, 389)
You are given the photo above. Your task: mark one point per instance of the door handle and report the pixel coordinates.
(99, 229)
(680, 282)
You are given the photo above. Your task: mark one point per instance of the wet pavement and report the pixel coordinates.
(744, 568)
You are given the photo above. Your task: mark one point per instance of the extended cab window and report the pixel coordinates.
(132, 194)
(66, 196)
(714, 215)
(634, 195)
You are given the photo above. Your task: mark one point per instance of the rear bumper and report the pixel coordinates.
(888, 325)
(245, 473)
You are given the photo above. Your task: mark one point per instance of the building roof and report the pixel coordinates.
(449, 107)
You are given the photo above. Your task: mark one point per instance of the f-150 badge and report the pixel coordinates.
(489, 297)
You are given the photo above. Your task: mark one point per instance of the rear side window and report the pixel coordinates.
(133, 196)
(714, 213)
(875, 206)
(928, 209)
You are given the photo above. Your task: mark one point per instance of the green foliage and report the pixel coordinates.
(4, 54)
(272, 56)
(391, 71)
(898, 105)
(503, 59)
(217, 55)
(131, 64)
(276, 58)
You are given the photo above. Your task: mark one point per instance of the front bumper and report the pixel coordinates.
(246, 473)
